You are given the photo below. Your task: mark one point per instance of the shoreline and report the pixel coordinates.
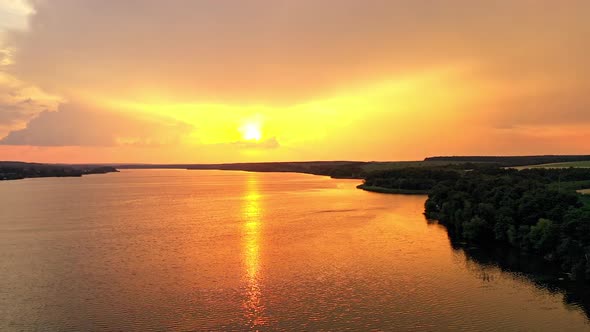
(10, 171)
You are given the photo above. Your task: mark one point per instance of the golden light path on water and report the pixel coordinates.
(177, 250)
(252, 219)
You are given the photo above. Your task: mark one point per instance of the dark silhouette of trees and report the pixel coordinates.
(20, 170)
(535, 210)
(522, 209)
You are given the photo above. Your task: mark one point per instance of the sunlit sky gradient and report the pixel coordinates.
(274, 80)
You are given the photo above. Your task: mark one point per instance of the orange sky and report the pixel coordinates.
(229, 81)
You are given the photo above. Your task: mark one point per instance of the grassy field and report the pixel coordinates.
(580, 164)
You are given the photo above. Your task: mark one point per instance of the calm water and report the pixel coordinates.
(208, 250)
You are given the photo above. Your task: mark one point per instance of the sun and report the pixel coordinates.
(251, 132)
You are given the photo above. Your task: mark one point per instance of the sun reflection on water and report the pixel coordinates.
(251, 215)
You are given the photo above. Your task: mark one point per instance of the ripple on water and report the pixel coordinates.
(187, 250)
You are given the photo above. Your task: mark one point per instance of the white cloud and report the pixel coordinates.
(14, 14)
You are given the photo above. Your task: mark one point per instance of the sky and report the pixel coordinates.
(206, 81)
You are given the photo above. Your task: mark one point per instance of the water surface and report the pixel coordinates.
(211, 250)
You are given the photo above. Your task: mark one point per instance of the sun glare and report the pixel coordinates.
(251, 132)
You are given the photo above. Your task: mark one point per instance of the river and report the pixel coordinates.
(152, 250)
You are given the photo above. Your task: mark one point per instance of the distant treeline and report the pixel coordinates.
(417, 180)
(10, 170)
(535, 210)
(512, 160)
(336, 169)
(361, 169)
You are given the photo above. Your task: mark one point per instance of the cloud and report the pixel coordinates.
(288, 51)
(552, 109)
(21, 102)
(14, 13)
(73, 125)
(354, 78)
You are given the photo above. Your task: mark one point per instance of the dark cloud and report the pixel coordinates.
(19, 103)
(73, 125)
(11, 114)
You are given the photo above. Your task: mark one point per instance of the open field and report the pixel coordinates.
(579, 164)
